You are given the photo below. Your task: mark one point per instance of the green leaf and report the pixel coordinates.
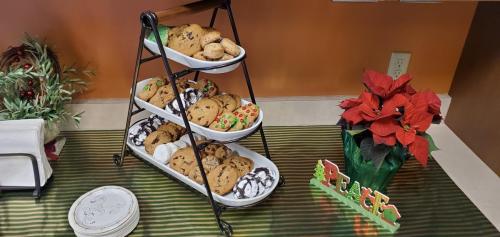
(432, 145)
(375, 153)
(354, 132)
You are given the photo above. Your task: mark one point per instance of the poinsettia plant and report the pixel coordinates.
(391, 113)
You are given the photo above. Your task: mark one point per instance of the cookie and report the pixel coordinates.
(247, 114)
(138, 134)
(247, 187)
(240, 123)
(218, 150)
(189, 97)
(210, 37)
(243, 164)
(208, 88)
(163, 96)
(173, 129)
(199, 56)
(222, 179)
(154, 139)
(186, 39)
(264, 176)
(203, 112)
(230, 47)
(224, 122)
(183, 160)
(149, 90)
(195, 175)
(213, 51)
(210, 163)
(226, 57)
(230, 102)
(163, 152)
(253, 184)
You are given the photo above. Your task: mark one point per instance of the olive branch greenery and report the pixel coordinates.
(56, 87)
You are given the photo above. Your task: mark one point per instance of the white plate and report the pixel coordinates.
(104, 211)
(206, 132)
(193, 62)
(228, 199)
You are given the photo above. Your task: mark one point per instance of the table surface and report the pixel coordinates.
(430, 203)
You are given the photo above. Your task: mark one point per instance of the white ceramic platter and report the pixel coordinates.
(228, 199)
(206, 132)
(104, 211)
(193, 62)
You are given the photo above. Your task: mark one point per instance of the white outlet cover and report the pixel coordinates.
(398, 64)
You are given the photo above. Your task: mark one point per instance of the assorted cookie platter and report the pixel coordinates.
(237, 175)
(197, 47)
(214, 115)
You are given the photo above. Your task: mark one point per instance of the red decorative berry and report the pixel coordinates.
(241, 115)
(225, 121)
(22, 94)
(27, 66)
(30, 83)
(29, 94)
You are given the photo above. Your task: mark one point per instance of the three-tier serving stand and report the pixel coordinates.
(149, 21)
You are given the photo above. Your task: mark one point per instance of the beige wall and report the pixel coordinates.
(294, 47)
(475, 108)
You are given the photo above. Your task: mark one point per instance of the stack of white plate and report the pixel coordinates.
(105, 211)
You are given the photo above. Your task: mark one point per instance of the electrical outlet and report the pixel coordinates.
(398, 64)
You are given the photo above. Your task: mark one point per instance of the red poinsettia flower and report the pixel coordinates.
(427, 100)
(384, 128)
(394, 113)
(365, 108)
(384, 85)
(412, 121)
(420, 150)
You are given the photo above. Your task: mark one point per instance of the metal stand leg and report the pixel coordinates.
(149, 18)
(118, 159)
(245, 72)
(249, 83)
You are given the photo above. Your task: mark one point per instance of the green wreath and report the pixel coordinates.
(33, 85)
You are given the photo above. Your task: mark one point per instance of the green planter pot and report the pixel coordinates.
(364, 171)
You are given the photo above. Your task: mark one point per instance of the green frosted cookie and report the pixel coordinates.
(163, 30)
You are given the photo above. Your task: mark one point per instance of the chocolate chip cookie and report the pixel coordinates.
(222, 179)
(230, 102)
(185, 39)
(154, 139)
(203, 112)
(173, 129)
(183, 160)
(210, 37)
(243, 164)
(163, 96)
(218, 150)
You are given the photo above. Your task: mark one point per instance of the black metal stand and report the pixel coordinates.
(149, 21)
(37, 189)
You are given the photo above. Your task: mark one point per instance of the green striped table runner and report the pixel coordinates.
(430, 203)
